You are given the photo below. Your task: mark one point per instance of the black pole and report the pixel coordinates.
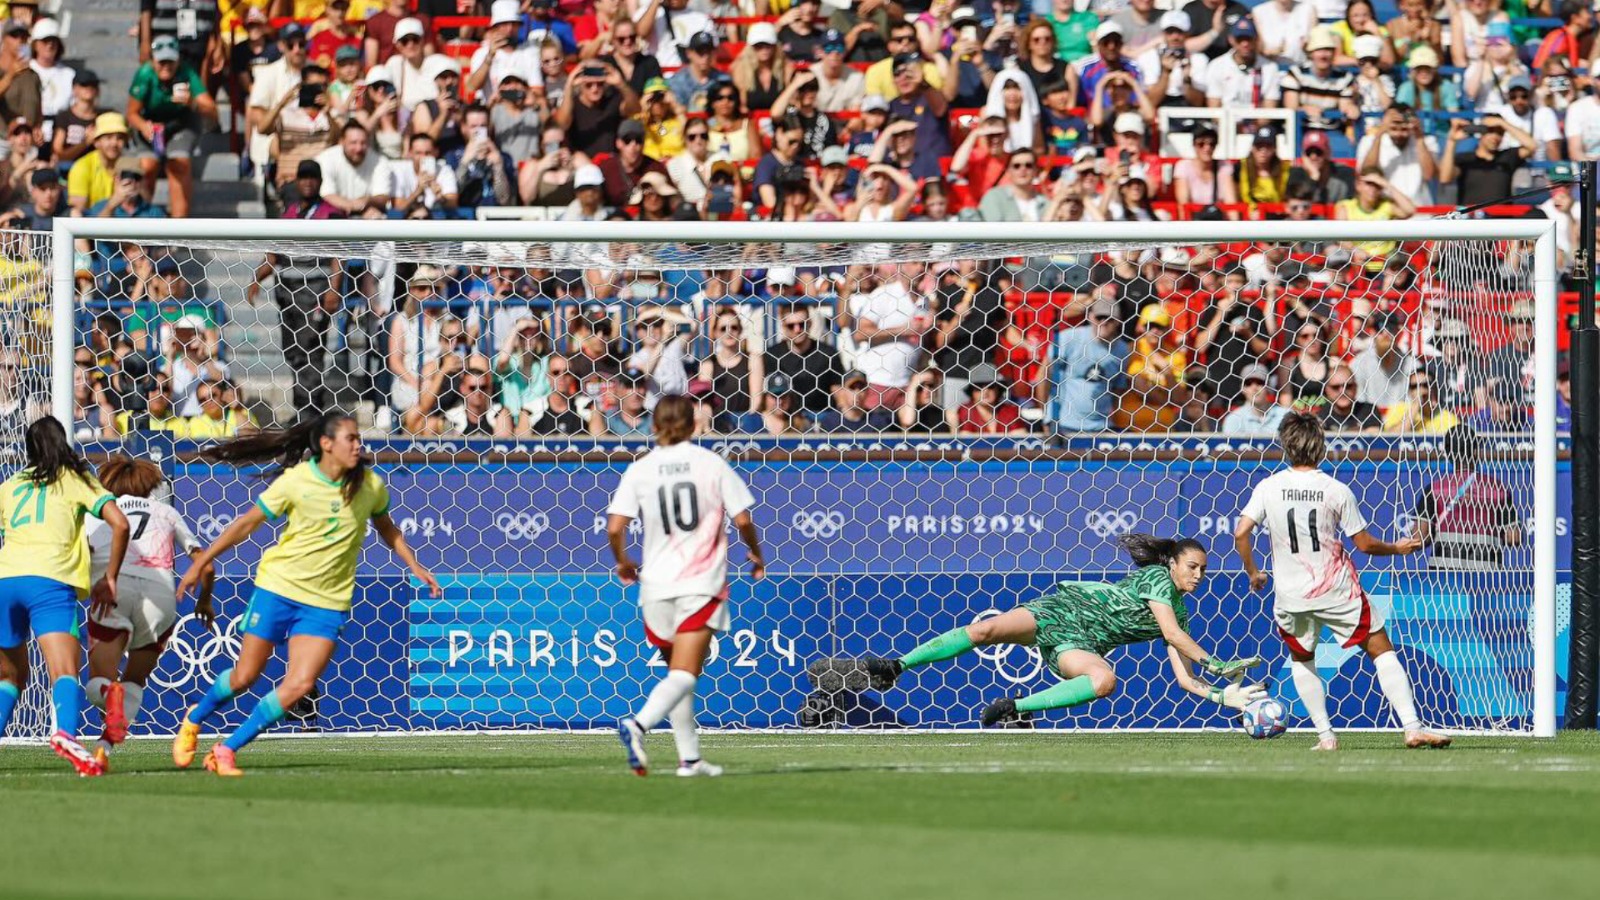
(1584, 666)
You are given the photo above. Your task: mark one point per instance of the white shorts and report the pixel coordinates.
(663, 619)
(147, 610)
(1351, 623)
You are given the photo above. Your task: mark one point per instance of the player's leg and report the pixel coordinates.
(1396, 686)
(1300, 632)
(308, 657)
(104, 690)
(1017, 626)
(13, 678)
(254, 651)
(690, 655)
(688, 652)
(63, 653)
(1085, 676)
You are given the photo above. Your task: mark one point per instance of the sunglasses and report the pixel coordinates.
(696, 136)
(630, 140)
(1338, 385)
(794, 326)
(1021, 166)
(901, 38)
(295, 42)
(409, 38)
(1255, 381)
(731, 329)
(1421, 385)
(720, 97)
(623, 39)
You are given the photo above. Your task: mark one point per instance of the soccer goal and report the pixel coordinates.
(928, 477)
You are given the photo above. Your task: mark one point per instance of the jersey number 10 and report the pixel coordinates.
(1311, 533)
(680, 507)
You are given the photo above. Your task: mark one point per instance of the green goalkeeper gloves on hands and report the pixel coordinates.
(1232, 669)
(1236, 696)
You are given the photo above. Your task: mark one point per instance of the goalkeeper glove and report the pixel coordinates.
(1236, 696)
(1230, 668)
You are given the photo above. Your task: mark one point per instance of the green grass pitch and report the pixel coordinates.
(815, 816)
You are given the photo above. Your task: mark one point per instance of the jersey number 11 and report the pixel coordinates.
(1311, 533)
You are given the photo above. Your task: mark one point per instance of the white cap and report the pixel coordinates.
(1178, 19)
(504, 11)
(838, 4)
(762, 33)
(1106, 29)
(1368, 46)
(437, 64)
(378, 74)
(426, 275)
(1128, 122)
(587, 176)
(408, 27)
(45, 29)
(190, 322)
(1322, 38)
(781, 276)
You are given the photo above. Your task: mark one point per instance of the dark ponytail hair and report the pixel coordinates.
(1149, 550)
(288, 447)
(50, 454)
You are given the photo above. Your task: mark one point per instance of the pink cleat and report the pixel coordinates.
(67, 747)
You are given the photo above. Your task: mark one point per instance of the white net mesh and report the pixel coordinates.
(933, 432)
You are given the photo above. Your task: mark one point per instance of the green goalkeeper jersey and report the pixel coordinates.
(1099, 617)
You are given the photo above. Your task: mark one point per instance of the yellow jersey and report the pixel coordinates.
(314, 561)
(89, 178)
(205, 428)
(43, 527)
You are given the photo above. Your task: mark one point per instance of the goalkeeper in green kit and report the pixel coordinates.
(1074, 627)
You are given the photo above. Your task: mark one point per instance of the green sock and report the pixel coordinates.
(1071, 692)
(951, 644)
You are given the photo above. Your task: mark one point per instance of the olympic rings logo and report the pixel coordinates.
(522, 526)
(1110, 523)
(211, 527)
(818, 524)
(194, 650)
(1003, 656)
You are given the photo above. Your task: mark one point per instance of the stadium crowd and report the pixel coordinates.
(827, 110)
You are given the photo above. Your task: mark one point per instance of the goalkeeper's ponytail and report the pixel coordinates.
(1149, 550)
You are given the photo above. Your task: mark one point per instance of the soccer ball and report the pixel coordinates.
(1263, 719)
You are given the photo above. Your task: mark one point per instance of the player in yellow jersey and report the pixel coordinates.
(44, 573)
(305, 581)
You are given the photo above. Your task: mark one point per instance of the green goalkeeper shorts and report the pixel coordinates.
(1060, 628)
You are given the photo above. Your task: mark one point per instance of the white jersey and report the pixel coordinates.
(1309, 514)
(683, 495)
(157, 534)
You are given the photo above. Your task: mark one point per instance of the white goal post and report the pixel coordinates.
(837, 244)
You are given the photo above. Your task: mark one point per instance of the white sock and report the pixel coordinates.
(664, 696)
(132, 695)
(95, 690)
(1312, 693)
(1397, 688)
(684, 731)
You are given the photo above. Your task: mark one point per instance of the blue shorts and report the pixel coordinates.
(276, 618)
(45, 605)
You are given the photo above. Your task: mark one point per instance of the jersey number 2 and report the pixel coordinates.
(680, 506)
(28, 491)
(1311, 533)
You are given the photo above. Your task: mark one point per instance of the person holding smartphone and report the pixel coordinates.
(167, 106)
(499, 54)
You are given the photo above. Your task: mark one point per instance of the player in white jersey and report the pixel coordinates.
(683, 496)
(147, 600)
(1309, 513)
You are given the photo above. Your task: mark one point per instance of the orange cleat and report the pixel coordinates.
(116, 718)
(220, 761)
(185, 743)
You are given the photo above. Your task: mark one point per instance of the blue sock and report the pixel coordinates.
(8, 702)
(67, 696)
(267, 713)
(220, 692)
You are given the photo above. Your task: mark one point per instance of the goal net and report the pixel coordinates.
(938, 422)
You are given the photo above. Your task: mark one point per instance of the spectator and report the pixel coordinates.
(661, 354)
(1483, 174)
(736, 375)
(25, 158)
(93, 418)
(347, 89)
(1304, 370)
(1011, 100)
(1426, 91)
(1174, 76)
(595, 103)
(441, 378)
(625, 169)
(1512, 363)
(127, 198)
(655, 197)
(988, 408)
(515, 122)
(920, 411)
(669, 26)
(1041, 63)
(168, 107)
(886, 195)
(818, 132)
(1458, 369)
(409, 69)
(692, 84)
(561, 416)
(630, 418)
(888, 326)
(1488, 80)
(1089, 370)
(1327, 95)
(381, 31)
(221, 414)
(1383, 370)
(72, 134)
(1063, 130)
(812, 368)
(849, 414)
(1325, 180)
(1398, 149)
(1263, 175)
(544, 22)
(157, 413)
(21, 91)
(1205, 180)
(415, 337)
(548, 179)
(301, 128)
(902, 42)
(663, 122)
(90, 181)
(1374, 88)
(1195, 417)
(1413, 29)
(918, 103)
(1243, 77)
(190, 359)
(499, 54)
(1577, 28)
(981, 159)
(781, 164)
(1358, 23)
(1130, 202)
(55, 79)
(780, 414)
(1343, 412)
(1108, 58)
(1076, 34)
(1211, 25)
(1543, 125)
(45, 202)
(732, 133)
(1419, 414)
(332, 31)
(354, 177)
(440, 115)
(553, 69)
(636, 67)
(422, 181)
(1285, 27)
(798, 36)
(760, 71)
(379, 111)
(483, 173)
(1376, 200)
(257, 49)
(1158, 368)
(839, 87)
(272, 82)
(1259, 414)
(1232, 337)
(1141, 26)
(477, 415)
